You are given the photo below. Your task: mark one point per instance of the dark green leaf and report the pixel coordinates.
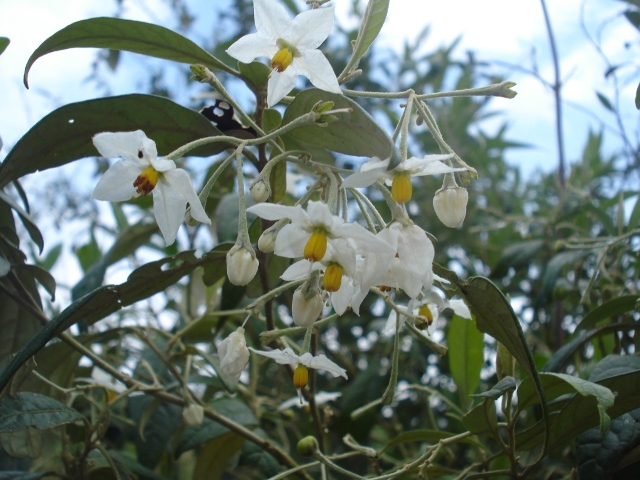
(634, 18)
(18, 475)
(34, 410)
(257, 73)
(482, 419)
(517, 255)
(27, 221)
(466, 356)
(23, 443)
(638, 97)
(605, 101)
(634, 219)
(208, 430)
(51, 258)
(129, 35)
(271, 119)
(4, 43)
(428, 436)
(65, 134)
(354, 133)
(216, 269)
(609, 309)
(278, 182)
(214, 456)
(554, 268)
(44, 278)
(373, 20)
(499, 389)
(135, 467)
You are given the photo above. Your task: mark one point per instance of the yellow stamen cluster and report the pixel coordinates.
(300, 376)
(316, 246)
(282, 59)
(401, 189)
(333, 278)
(146, 181)
(425, 312)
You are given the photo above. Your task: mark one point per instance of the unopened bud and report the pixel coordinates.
(307, 446)
(450, 204)
(242, 265)
(234, 354)
(193, 414)
(260, 189)
(304, 310)
(505, 91)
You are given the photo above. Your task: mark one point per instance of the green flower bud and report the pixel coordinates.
(307, 446)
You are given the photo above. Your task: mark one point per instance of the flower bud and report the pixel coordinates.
(304, 310)
(242, 265)
(234, 354)
(267, 241)
(193, 414)
(307, 446)
(260, 189)
(450, 204)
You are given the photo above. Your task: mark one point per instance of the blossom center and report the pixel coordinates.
(316, 246)
(146, 181)
(333, 277)
(300, 376)
(425, 312)
(282, 59)
(401, 189)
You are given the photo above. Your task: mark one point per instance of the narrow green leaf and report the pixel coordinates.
(372, 22)
(482, 419)
(4, 43)
(34, 410)
(466, 356)
(44, 278)
(634, 219)
(516, 255)
(607, 310)
(554, 269)
(129, 35)
(499, 389)
(65, 134)
(606, 103)
(638, 97)
(257, 73)
(634, 18)
(27, 221)
(354, 133)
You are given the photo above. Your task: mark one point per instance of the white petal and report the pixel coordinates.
(280, 84)
(179, 179)
(460, 308)
(436, 168)
(342, 251)
(270, 211)
(311, 27)
(252, 46)
(315, 66)
(169, 208)
(298, 270)
(365, 240)
(291, 241)
(365, 178)
(321, 362)
(125, 145)
(283, 357)
(271, 18)
(162, 165)
(320, 215)
(390, 327)
(341, 299)
(116, 185)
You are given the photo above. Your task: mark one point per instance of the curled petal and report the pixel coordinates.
(127, 145)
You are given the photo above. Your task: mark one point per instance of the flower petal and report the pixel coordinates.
(340, 299)
(321, 362)
(280, 84)
(291, 241)
(283, 357)
(270, 211)
(320, 215)
(315, 66)
(116, 185)
(271, 19)
(311, 27)
(179, 180)
(169, 208)
(127, 145)
(299, 270)
(460, 308)
(252, 46)
(365, 178)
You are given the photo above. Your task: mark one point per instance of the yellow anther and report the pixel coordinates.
(332, 278)
(300, 376)
(316, 246)
(146, 181)
(425, 312)
(401, 189)
(282, 59)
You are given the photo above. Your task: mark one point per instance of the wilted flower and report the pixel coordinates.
(292, 46)
(140, 172)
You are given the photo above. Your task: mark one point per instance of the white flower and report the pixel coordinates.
(242, 265)
(429, 306)
(305, 311)
(409, 266)
(450, 204)
(320, 398)
(399, 178)
(319, 362)
(107, 381)
(233, 354)
(312, 230)
(292, 46)
(141, 172)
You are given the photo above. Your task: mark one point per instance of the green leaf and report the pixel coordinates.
(19, 475)
(428, 436)
(554, 269)
(605, 101)
(466, 356)
(215, 455)
(634, 18)
(255, 72)
(23, 443)
(65, 134)
(638, 97)
(499, 389)
(4, 43)
(27, 221)
(517, 255)
(134, 466)
(34, 410)
(609, 309)
(130, 35)
(44, 278)
(208, 430)
(216, 269)
(278, 182)
(634, 219)
(482, 419)
(372, 22)
(354, 133)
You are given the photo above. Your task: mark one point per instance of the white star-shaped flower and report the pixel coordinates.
(399, 178)
(292, 47)
(312, 230)
(288, 357)
(141, 172)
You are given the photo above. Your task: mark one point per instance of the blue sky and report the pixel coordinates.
(496, 30)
